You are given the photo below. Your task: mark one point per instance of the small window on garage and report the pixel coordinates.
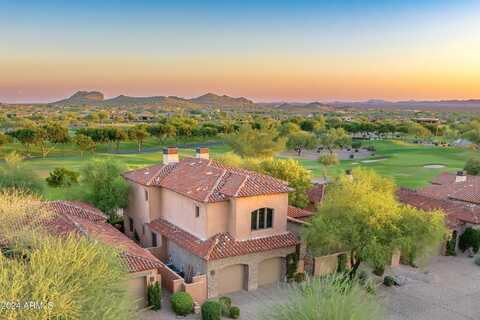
(154, 239)
(197, 211)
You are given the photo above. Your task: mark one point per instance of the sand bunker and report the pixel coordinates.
(434, 166)
(373, 160)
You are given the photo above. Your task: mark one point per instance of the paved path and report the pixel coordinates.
(448, 290)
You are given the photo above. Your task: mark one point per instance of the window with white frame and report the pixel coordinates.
(262, 218)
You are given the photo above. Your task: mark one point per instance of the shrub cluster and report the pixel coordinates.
(213, 310)
(62, 177)
(182, 303)
(470, 238)
(388, 281)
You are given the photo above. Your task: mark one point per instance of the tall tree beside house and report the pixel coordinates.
(288, 170)
(138, 133)
(362, 215)
(249, 142)
(301, 140)
(103, 186)
(4, 139)
(335, 138)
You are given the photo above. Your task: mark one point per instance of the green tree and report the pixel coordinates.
(16, 175)
(84, 143)
(103, 186)
(361, 215)
(301, 140)
(335, 138)
(250, 142)
(138, 133)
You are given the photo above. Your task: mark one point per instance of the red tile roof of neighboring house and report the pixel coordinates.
(82, 219)
(207, 181)
(456, 213)
(445, 187)
(315, 196)
(297, 213)
(221, 245)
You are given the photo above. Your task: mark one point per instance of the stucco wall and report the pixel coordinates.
(137, 209)
(241, 208)
(217, 217)
(180, 211)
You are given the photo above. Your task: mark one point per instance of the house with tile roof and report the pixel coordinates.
(457, 195)
(81, 219)
(202, 217)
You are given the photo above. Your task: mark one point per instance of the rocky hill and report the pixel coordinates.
(214, 100)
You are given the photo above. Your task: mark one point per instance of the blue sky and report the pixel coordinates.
(302, 50)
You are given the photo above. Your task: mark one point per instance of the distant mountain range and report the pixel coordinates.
(95, 98)
(213, 101)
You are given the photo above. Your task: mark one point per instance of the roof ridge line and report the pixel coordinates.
(219, 179)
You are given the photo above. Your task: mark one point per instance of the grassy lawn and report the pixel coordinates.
(402, 161)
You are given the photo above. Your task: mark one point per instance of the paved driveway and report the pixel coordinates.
(449, 289)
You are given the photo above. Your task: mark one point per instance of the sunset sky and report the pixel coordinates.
(273, 51)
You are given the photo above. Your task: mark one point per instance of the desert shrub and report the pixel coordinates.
(328, 160)
(356, 144)
(155, 296)
(388, 281)
(331, 297)
(473, 166)
(212, 310)
(182, 303)
(62, 177)
(470, 238)
(234, 312)
(226, 303)
(352, 156)
(299, 277)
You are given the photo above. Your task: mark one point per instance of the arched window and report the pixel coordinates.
(262, 218)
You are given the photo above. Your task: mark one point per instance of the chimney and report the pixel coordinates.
(170, 155)
(348, 174)
(460, 177)
(202, 153)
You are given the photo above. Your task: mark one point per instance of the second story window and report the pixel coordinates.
(262, 218)
(197, 211)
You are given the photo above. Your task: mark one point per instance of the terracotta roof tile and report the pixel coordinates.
(84, 220)
(297, 213)
(445, 187)
(456, 213)
(207, 181)
(221, 245)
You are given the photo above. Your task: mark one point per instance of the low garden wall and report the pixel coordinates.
(170, 279)
(197, 289)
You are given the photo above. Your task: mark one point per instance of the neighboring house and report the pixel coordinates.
(202, 217)
(85, 220)
(458, 195)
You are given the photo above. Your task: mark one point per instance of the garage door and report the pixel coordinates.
(138, 291)
(269, 271)
(231, 279)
